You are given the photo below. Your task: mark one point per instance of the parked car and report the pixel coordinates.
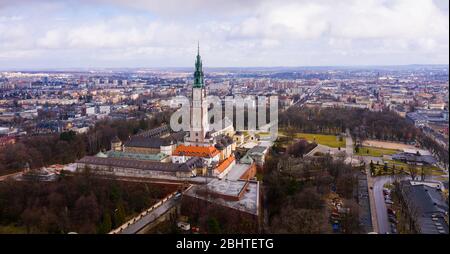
(392, 220)
(386, 192)
(392, 216)
(388, 201)
(184, 225)
(391, 211)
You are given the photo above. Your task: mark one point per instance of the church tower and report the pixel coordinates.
(199, 108)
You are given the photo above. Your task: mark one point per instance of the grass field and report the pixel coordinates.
(375, 152)
(327, 140)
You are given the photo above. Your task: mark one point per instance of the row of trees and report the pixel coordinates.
(79, 203)
(66, 147)
(296, 201)
(435, 148)
(362, 123)
(38, 151)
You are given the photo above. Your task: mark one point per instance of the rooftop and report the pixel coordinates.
(224, 164)
(237, 171)
(248, 202)
(196, 151)
(143, 165)
(155, 132)
(136, 156)
(147, 142)
(258, 150)
(409, 157)
(154, 142)
(429, 205)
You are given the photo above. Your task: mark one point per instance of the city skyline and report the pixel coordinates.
(142, 34)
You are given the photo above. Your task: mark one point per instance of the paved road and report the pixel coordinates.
(152, 216)
(380, 205)
(349, 144)
(373, 212)
(322, 149)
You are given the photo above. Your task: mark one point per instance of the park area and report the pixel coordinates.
(323, 139)
(375, 151)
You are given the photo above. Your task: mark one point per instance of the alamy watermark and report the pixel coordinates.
(253, 114)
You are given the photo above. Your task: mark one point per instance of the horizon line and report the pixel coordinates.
(212, 67)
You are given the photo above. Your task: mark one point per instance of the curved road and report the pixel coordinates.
(135, 227)
(380, 205)
(381, 209)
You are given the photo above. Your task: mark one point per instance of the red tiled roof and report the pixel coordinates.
(224, 165)
(196, 151)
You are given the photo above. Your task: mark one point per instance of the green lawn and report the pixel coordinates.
(375, 152)
(327, 140)
(323, 139)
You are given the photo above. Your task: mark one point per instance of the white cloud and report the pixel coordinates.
(231, 32)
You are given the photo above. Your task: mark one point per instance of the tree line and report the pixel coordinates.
(362, 123)
(79, 203)
(296, 192)
(67, 147)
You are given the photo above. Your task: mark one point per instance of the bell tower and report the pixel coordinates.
(199, 108)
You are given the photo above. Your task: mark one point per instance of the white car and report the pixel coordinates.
(388, 201)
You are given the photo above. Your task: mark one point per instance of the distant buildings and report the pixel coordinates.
(421, 118)
(414, 158)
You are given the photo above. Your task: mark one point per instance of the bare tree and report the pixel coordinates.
(424, 172)
(412, 170)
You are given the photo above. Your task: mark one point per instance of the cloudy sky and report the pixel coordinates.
(150, 33)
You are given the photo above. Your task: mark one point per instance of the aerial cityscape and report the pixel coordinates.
(140, 124)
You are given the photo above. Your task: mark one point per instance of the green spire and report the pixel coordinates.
(198, 74)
